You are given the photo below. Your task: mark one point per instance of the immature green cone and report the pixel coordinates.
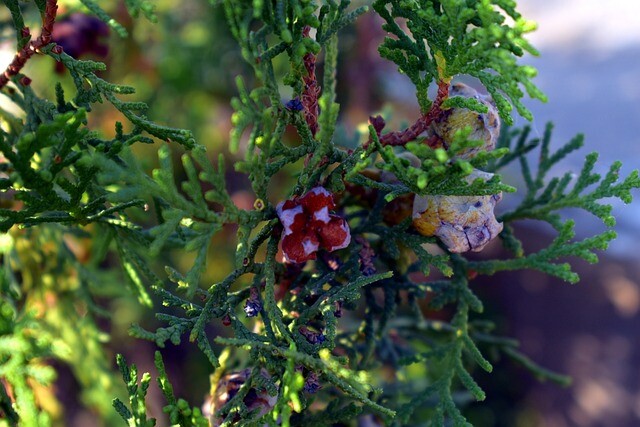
(485, 126)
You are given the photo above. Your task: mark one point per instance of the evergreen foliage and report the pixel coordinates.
(345, 318)
(450, 38)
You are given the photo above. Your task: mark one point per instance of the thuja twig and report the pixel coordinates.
(23, 55)
(423, 122)
(311, 91)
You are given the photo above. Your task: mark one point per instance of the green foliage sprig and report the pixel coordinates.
(545, 197)
(450, 38)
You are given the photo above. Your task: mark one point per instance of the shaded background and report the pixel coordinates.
(590, 69)
(185, 66)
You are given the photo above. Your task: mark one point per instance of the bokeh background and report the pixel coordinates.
(184, 67)
(590, 69)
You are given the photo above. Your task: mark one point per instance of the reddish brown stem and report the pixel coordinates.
(311, 90)
(421, 125)
(23, 55)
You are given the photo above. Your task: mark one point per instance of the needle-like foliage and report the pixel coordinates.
(480, 38)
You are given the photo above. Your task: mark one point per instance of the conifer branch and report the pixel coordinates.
(421, 125)
(29, 49)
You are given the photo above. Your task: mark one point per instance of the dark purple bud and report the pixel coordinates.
(294, 105)
(368, 270)
(311, 383)
(367, 256)
(253, 305)
(252, 308)
(312, 337)
(79, 34)
(226, 320)
(378, 123)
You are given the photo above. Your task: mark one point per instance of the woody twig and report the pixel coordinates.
(421, 125)
(29, 49)
(311, 90)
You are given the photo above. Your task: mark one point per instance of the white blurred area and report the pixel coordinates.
(7, 52)
(601, 27)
